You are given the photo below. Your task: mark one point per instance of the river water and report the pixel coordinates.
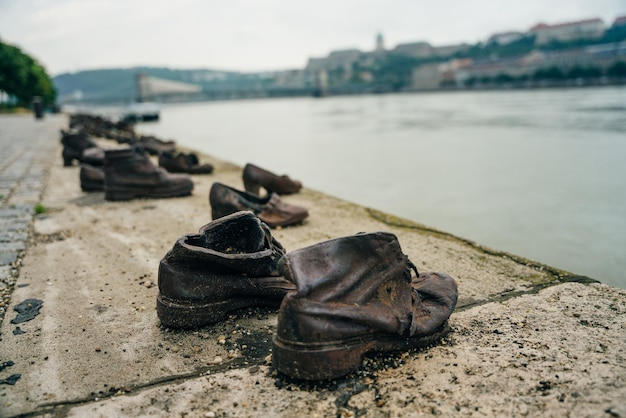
(538, 173)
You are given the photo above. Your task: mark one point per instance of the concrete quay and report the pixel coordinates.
(527, 339)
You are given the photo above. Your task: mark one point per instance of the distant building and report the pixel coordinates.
(315, 64)
(449, 50)
(342, 59)
(414, 49)
(505, 38)
(380, 44)
(425, 77)
(619, 21)
(448, 71)
(290, 79)
(436, 75)
(570, 31)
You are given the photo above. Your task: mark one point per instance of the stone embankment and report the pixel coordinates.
(526, 339)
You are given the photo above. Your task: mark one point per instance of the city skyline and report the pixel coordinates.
(247, 36)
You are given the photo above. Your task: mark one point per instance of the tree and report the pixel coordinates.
(23, 77)
(618, 69)
(395, 70)
(550, 73)
(584, 72)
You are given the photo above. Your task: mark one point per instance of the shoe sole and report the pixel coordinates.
(91, 186)
(332, 360)
(291, 222)
(185, 315)
(135, 192)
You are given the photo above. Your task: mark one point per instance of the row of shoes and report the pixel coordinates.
(128, 173)
(338, 299)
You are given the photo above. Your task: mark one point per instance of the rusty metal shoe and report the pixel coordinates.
(183, 163)
(91, 178)
(230, 264)
(255, 177)
(270, 209)
(155, 146)
(75, 142)
(355, 295)
(129, 174)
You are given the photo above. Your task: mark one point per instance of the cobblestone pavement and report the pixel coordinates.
(26, 153)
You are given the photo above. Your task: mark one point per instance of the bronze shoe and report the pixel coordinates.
(75, 141)
(256, 177)
(270, 209)
(355, 295)
(129, 174)
(91, 178)
(230, 264)
(183, 163)
(155, 146)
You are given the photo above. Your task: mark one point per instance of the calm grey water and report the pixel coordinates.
(541, 174)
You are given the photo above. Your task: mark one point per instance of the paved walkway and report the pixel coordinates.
(25, 147)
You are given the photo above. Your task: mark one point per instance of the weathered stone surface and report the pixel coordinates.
(7, 258)
(527, 339)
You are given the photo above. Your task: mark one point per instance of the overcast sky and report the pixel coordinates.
(258, 35)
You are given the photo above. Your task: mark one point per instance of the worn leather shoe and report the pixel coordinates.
(354, 295)
(270, 209)
(255, 177)
(129, 174)
(91, 178)
(183, 163)
(155, 146)
(230, 264)
(75, 141)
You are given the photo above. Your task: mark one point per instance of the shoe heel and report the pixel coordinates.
(251, 187)
(175, 314)
(178, 315)
(91, 186)
(110, 194)
(317, 364)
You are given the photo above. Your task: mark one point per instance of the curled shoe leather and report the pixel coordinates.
(354, 295)
(183, 163)
(230, 264)
(255, 177)
(129, 174)
(270, 209)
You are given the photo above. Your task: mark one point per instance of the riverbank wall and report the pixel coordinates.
(527, 339)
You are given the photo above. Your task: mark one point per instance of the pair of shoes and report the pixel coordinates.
(270, 209)
(129, 174)
(255, 177)
(183, 163)
(339, 299)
